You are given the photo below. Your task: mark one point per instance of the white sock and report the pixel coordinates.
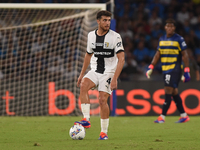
(183, 115)
(86, 111)
(163, 116)
(104, 125)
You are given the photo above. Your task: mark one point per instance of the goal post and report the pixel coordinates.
(42, 48)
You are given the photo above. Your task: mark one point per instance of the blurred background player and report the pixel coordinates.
(171, 50)
(105, 54)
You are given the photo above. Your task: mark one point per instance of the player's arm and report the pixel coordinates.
(84, 67)
(153, 63)
(156, 58)
(120, 65)
(185, 58)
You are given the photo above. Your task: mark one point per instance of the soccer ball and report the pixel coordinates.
(77, 132)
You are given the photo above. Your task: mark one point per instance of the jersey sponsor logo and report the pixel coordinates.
(99, 44)
(102, 53)
(106, 44)
(106, 53)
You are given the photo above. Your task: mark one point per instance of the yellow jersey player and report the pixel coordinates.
(171, 51)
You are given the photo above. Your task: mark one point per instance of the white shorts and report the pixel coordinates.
(102, 81)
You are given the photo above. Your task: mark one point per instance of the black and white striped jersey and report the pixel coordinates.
(104, 49)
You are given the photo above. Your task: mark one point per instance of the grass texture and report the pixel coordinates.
(125, 133)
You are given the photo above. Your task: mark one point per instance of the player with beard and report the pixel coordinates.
(105, 54)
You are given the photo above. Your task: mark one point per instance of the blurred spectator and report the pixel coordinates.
(126, 32)
(191, 40)
(173, 8)
(153, 49)
(193, 19)
(124, 10)
(165, 2)
(154, 19)
(158, 7)
(130, 67)
(194, 64)
(197, 31)
(183, 15)
(37, 45)
(9, 67)
(197, 10)
(170, 15)
(141, 12)
(1, 75)
(186, 26)
(128, 43)
(141, 53)
(55, 66)
(157, 31)
(140, 24)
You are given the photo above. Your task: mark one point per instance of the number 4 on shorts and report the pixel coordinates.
(109, 80)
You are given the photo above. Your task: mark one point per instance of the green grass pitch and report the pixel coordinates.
(125, 133)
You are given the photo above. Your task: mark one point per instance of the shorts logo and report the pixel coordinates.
(167, 78)
(108, 81)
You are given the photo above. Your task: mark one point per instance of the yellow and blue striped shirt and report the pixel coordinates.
(170, 52)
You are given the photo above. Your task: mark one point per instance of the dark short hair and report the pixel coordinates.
(170, 20)
(103, 13)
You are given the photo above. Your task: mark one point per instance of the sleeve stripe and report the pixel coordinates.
(89, 53)
(119, 51)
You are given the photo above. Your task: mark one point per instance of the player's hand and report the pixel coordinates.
(186, 76)
(113, 84)
(149, 71)
(79, 80)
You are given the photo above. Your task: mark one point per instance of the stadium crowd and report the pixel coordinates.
(141, 23)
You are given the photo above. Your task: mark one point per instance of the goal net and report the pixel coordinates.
(42, 48)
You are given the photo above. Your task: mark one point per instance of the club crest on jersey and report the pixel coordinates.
(106, 44)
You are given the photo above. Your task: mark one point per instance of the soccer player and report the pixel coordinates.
(172, 51)
(105, 54)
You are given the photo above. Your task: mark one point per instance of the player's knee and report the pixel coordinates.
(175, 92)
(102, 101)
(168, 90)
(84, 86)
(103, 97)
